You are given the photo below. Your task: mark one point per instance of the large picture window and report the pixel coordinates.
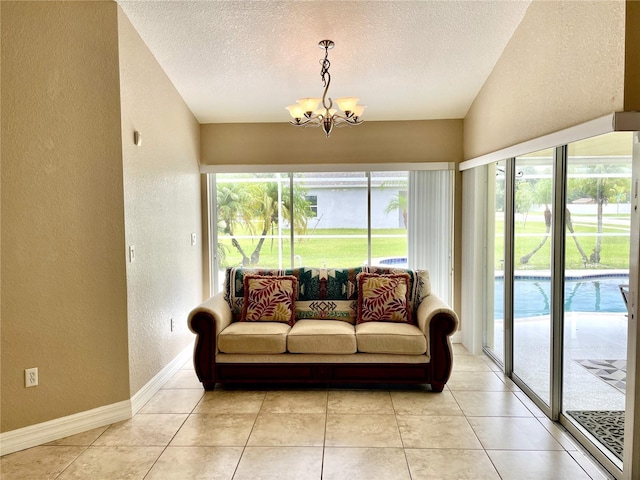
(333, 219)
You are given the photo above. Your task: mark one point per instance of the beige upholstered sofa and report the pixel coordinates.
(340, 326)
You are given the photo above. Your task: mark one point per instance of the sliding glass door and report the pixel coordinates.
(566, 234)
(532, 272)
(597, 234)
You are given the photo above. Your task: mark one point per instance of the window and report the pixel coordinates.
(313, 204)
(325, 219)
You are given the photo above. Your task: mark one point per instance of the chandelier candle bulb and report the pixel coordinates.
(306, 113)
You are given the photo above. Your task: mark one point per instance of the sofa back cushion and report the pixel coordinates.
(323, 293)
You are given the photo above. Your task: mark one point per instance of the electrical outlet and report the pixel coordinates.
(173, 324)
(31, 377)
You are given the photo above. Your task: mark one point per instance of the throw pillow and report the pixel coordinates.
(269, 299)
(383, 298)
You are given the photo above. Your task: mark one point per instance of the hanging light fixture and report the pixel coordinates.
(305, 113)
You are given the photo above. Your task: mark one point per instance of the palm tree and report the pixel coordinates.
(398, 202)
(255, 207)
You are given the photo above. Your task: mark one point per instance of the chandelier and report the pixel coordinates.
(305, 113)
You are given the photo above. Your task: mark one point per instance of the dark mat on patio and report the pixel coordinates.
(614, 372)
(607, 426)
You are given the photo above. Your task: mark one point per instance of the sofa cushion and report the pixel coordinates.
(323, 293)
(322, 336)
(269, 299)
(383, 298)
(254, 337)
(387, 337)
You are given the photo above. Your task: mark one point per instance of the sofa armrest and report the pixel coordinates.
(438, 322)
(207, 320)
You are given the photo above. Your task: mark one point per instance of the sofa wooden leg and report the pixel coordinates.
(437, 386)
(209, 385)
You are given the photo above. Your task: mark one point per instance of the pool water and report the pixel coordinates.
(532, 296)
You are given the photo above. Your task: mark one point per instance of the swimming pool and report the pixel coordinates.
(588, 294)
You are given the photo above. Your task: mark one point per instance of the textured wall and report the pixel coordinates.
(162, 209)
(63, 266)
(563, 66)
(371, 142)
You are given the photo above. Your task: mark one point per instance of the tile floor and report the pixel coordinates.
(480, 427)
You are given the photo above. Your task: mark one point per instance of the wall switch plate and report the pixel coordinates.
(31, 377)
(193, 239)
(132, 253)
(173, 324)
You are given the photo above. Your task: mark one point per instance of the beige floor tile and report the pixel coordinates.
(143, 430)
(470, 363)
(359, 401)
(230, 401)
(112, 463)
(536, 466)
(491, 404)
(184, 379)
(191, 463)
(85, 438)
(173, 401)
(459, 349)
(364, 464)
(590, 465)
(288, 429)
(215, 430)
(445, 464)
(295, 401)
(38, 463)
(437, 432)
(559, 433)
(501, 433)
(425, 403)
(366, 430)
(532, 407)
(477, 381)
(280, 463)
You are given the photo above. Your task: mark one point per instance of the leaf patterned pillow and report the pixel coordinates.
(269, 299)
(383, 298)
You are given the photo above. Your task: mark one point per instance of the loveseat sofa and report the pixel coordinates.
(323, 325)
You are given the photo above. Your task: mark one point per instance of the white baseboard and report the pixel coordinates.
(44, 432)
(142, 396)
(58, 428)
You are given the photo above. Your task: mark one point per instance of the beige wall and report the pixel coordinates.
(162, 209)
(632, 57)
(371, 142)
(63, 276)
(563, 66)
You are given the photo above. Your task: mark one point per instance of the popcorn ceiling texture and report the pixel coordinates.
(245, 61)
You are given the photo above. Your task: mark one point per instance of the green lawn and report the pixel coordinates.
(614, 252)
(321, 248)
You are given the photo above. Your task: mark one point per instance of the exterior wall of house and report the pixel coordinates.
(162, 209)
(564, 65)
(347, 208)
(64, 293)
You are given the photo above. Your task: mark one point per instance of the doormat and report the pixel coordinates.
(607, 426)
(614, 372)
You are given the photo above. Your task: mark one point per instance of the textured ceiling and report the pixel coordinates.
(245, 61)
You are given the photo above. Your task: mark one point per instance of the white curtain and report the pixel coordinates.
(430, 222)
